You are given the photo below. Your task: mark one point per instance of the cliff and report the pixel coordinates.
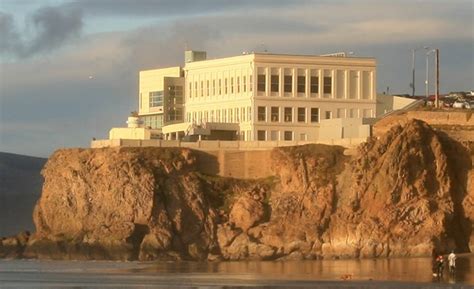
(407, 193)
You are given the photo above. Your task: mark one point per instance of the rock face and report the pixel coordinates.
(405, 194)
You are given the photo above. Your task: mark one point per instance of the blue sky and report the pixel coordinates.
(69, 69)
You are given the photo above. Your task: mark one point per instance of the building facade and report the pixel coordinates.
(257, 96)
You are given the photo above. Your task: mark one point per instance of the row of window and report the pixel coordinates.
(221, 86)
(155, 98)
(275, 135)
(288, 113)
(288, 83)
(230, 115)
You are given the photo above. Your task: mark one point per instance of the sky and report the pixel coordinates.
(69, 68)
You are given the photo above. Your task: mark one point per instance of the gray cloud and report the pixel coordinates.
(52, 27)
(176, 7)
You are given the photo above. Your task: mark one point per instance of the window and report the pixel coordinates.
(261, 82)
(190, 90)
(327, 84)
(225, 85)
(156, 98)
(275, 111)
(244, 79)
(314, 84)
(301, 84)
(301, 114)
(238, 84)
(231, 85)
(275, 82)
(220, 87)
(261, 113)
(328, 114)
(213, 87)
(249, 114)
(202, 88)
(288, 135)
(314, 114)
(274, 135)
(260, 135)
(288, 114)
(208, 87)
(251, 83)
(288, 87)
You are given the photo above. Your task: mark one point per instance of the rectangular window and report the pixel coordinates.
(274, 135)
(288, 135)
(275, 83)
(208, 88)
(202, 88)
(261, 113)
(288, 114)
(238, 84)
(225, 85)
(261, 82)
(244, 80)
(327, 84)
(155, 98)
(250, 83)
(249, 114)
(213, 87)
(314, 114)
(314, 84)
(275, 111)
(231, 85)
(301, 114)
(190, 90)
(328, 114)
(288, 83)
(220, 86)
(260, 135)
(301, 84)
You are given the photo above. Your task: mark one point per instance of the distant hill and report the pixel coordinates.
(20, 188)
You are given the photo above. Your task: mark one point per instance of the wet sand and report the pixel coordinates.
(383, 273)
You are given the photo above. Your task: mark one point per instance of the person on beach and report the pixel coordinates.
(452, 262)
(439, 266)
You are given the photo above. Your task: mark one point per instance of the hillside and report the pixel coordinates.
(20, 188)
(406, 193)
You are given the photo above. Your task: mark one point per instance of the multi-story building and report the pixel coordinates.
(256, 96)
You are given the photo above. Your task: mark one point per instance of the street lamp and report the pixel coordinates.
(413, 67)
(427, 80)
(436, 51)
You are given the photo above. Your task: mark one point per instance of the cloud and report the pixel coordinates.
(52, 27)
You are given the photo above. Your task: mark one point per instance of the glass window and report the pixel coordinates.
(231, 85)
(301, 114)
(261, 82)
(314, 84)
(225, 85)
(328, 114)
(327, 84)
(244, 79)
(156, 98)
(275, 79)
(288, 83)
(220, 86)
(202, 88)
(261, 113)
(190, 90)
(288, 135)
(274, 135)
(208, 88)
(314, 114)
(251, 83)
(275, 111)
(288, 114)
(260, 135)
(238, 84)
(301, 84)
(249, 113)
(213, 87)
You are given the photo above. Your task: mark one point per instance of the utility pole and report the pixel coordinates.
(413, 72)
(437, 77)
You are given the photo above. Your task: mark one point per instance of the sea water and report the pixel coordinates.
(367, 273)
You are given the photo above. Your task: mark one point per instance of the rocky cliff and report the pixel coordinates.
(406, 193)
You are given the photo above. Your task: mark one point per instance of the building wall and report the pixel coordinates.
(153, 81)
(136, 133)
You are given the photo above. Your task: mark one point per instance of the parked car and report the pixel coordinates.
(461, 104)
